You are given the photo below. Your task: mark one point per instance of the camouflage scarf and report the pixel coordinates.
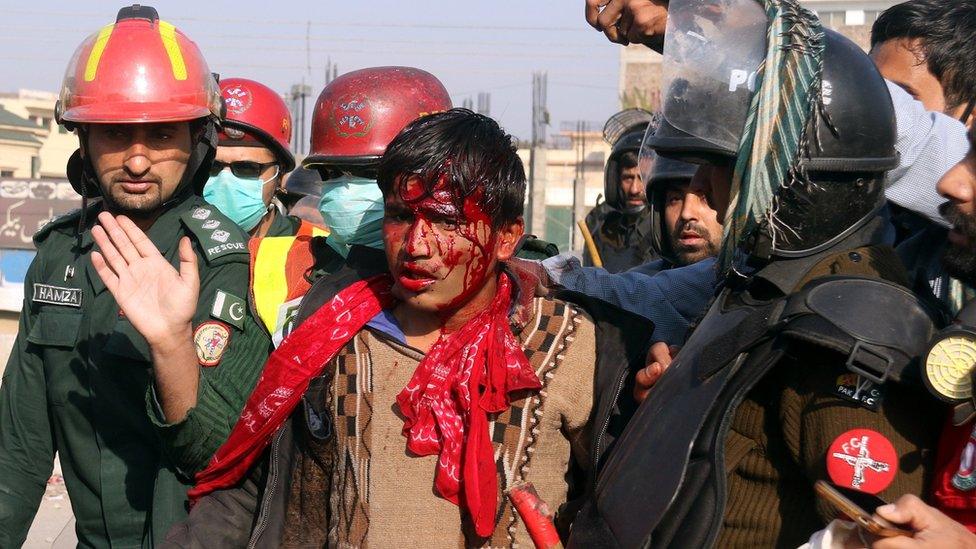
(788, 94)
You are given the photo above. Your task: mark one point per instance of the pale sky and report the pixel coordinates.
(472, 46)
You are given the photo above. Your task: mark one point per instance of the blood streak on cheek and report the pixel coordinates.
(476, 230)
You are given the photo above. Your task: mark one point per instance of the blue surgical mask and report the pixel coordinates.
(352, 208)
(242, 200)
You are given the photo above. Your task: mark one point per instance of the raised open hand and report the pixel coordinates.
(157, 299)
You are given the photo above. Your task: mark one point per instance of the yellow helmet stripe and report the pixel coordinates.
(168, 33)
(91, 68)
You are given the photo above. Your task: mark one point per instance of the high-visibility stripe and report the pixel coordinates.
(91, 67)
(270, 283)
(307, 228)
(168, 33)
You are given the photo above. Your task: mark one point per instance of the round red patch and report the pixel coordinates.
(862, 459)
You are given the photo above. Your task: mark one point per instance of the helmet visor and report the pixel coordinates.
(712, 52)
(646, 159)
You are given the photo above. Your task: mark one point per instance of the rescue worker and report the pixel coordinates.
(792, 376)
(132, 418)
(621, 225)
(253, 158)
(355, 117)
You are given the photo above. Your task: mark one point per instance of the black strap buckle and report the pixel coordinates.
(868, 361)
(135, 11)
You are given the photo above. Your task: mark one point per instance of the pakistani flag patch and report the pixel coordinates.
(229, 308)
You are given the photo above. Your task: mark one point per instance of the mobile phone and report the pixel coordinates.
(859, 507)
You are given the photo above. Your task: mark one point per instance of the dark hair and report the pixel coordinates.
(627, 160)
(470, 150)
(945, 29)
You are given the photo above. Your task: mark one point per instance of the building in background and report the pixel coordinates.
(32, 144)
(573, 172)
(20, 145)
(34, 152)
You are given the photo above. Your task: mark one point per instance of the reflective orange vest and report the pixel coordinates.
(278, 283)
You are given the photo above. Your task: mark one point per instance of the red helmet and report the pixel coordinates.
(359, 113)
(256, 114)
(139, 69)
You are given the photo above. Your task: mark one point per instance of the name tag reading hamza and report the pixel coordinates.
(56, 295)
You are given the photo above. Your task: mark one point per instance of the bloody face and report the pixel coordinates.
(441, 255)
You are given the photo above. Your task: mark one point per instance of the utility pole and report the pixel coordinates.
(331, 71)
(299, 94)
(536, 208)
(484, 103)
(579, 184)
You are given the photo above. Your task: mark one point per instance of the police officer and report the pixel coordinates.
(131, 418)
(802, 369)
(621, 225)
(685, 228)
(253, 158)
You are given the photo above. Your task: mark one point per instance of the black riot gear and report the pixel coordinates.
(760, 384)
(621, 225)
(849, 145)
(624, 131)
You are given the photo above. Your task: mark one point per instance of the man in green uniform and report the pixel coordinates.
(131, 418)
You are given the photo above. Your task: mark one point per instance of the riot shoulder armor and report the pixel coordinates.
(882, 327)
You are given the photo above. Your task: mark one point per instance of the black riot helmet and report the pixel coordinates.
(850, 146)
(624, 131)
(662, 174)
(713, 50)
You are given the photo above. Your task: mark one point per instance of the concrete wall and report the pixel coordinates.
(16, 157)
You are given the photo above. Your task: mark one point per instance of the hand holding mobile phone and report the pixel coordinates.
(859, 507)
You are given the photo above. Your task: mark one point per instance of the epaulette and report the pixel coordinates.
(66, 220)
(220, 239)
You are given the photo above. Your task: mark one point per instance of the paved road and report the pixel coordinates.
(54, 525)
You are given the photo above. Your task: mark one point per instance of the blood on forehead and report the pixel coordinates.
(443, 199)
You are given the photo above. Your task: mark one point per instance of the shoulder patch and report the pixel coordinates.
(862, 459)
(229, 308)
(211, 339)
(218, 236)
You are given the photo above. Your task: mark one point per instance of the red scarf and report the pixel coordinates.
(482, 358)
(285, 378)
(467, 375)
